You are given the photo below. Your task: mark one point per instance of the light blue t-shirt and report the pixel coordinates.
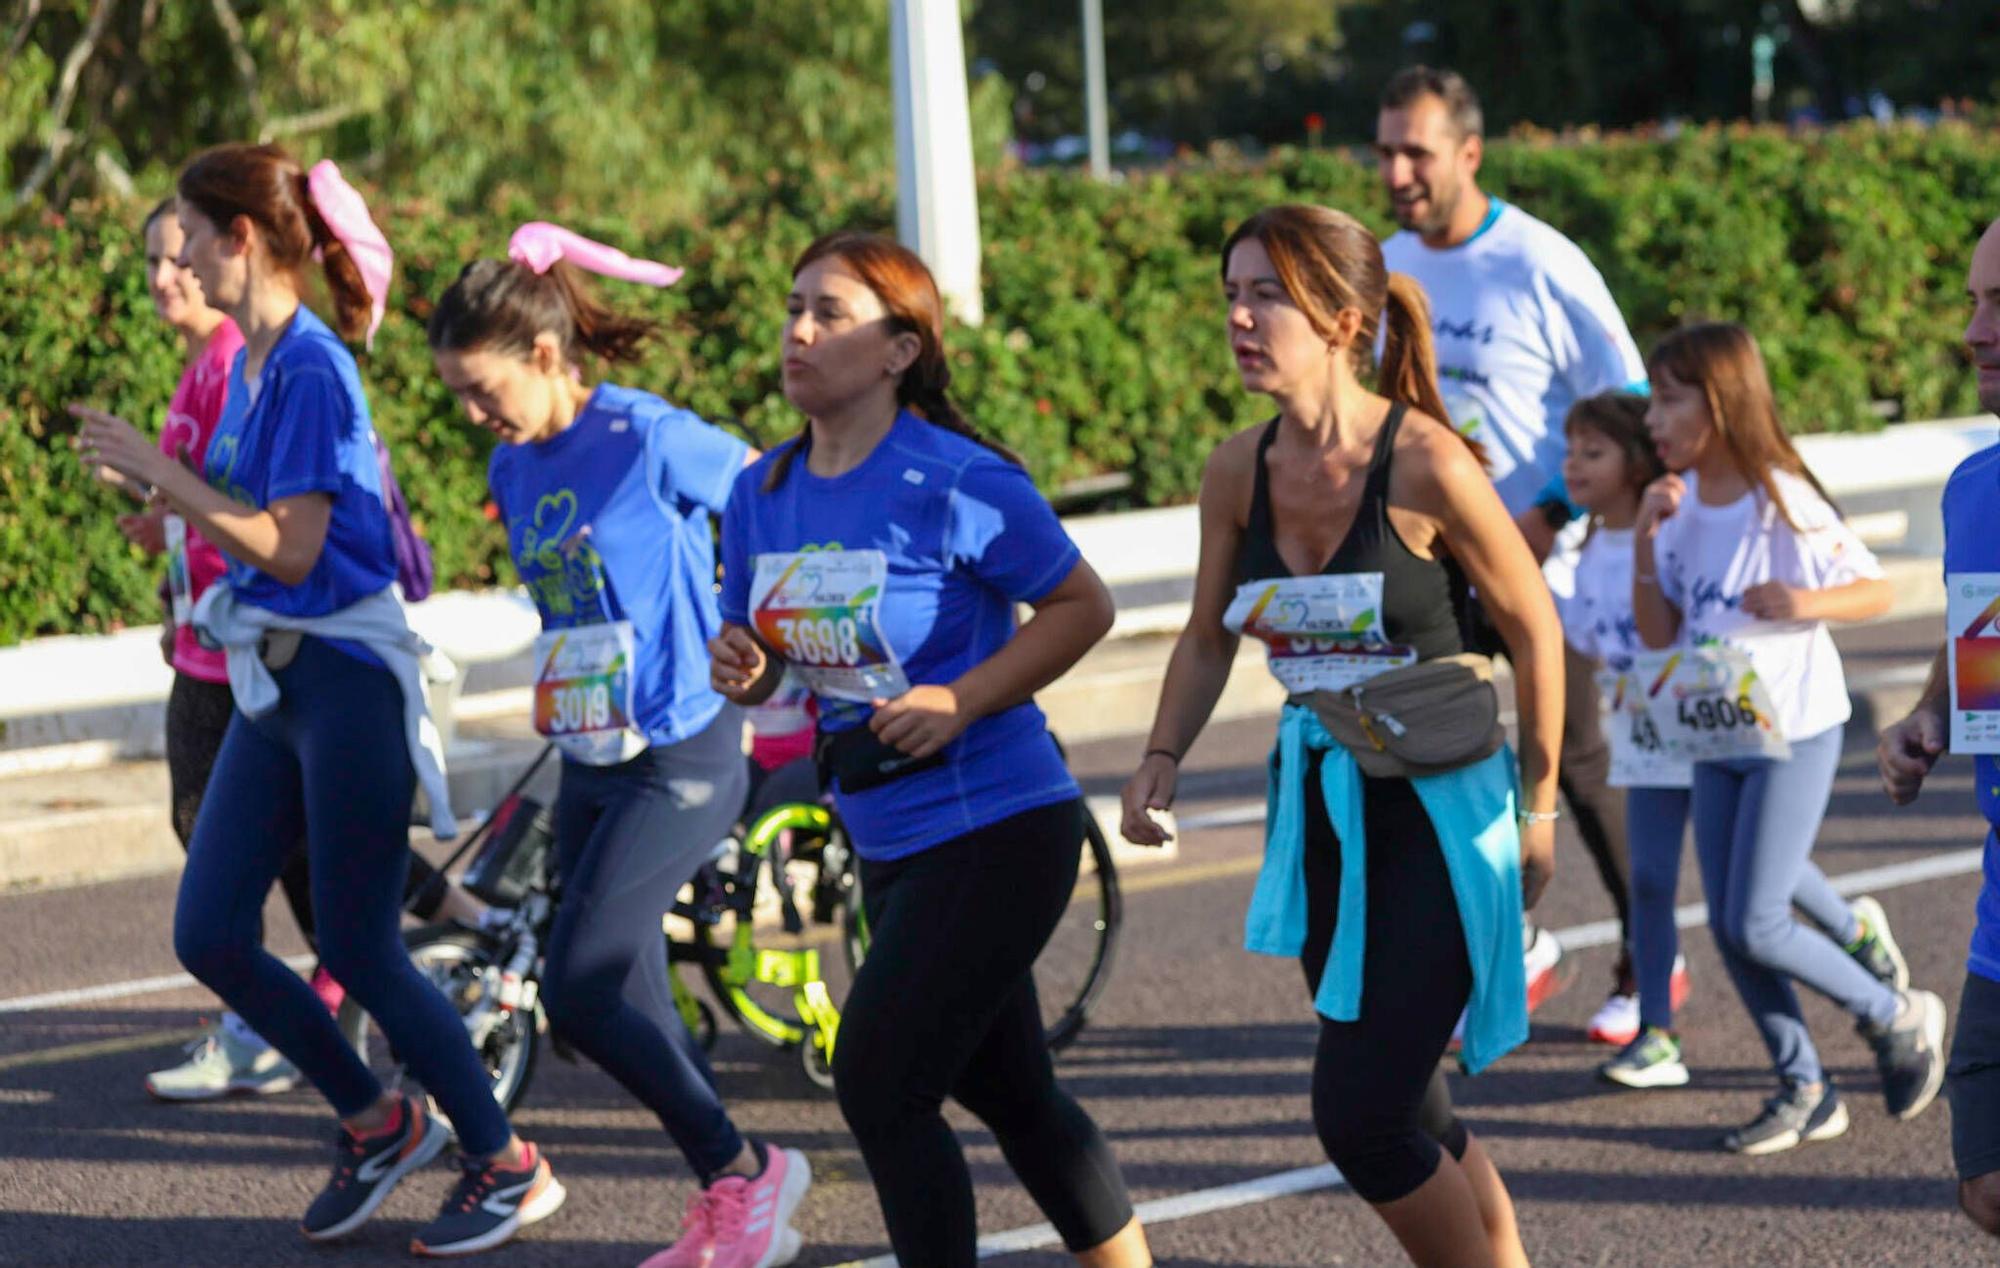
(1525, 327)
(308, 431)
(965, 536)
(1971, 509)
(611, 519)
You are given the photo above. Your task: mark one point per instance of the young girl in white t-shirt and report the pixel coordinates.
(1739, 561)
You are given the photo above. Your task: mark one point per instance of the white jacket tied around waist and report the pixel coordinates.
(377, 623)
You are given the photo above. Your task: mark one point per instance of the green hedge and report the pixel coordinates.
(1103, 348)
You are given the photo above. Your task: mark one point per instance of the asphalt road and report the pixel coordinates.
(1196, 1063)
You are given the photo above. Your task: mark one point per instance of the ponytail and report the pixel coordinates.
(353, 307)
(1408, 371)
(502, 305)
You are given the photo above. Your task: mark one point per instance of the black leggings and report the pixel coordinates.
(945, 1005)
(198, 714)
(1379, 1099)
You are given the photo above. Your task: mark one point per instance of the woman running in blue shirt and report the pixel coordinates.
(880, 555)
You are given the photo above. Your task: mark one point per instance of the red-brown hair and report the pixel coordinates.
(267, 186)
(903, 283)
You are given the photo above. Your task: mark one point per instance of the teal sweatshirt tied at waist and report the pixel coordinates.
(1473, 811)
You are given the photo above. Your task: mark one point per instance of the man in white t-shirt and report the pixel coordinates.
(1525, 327)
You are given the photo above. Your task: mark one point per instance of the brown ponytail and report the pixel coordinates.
(904, 284)
(267, 186)
(502, 305)
(1328, 261)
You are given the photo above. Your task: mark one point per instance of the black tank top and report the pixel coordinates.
(1421, 598)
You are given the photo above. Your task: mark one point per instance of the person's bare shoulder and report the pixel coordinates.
(1431, 456)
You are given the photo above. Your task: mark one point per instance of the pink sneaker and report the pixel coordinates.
(743, 1223)
(330, 992)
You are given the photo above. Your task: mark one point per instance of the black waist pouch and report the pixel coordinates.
(860, 761)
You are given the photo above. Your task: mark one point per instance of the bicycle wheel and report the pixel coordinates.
(459, 962)
(1075, 964)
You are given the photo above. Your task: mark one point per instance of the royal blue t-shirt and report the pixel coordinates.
(966, 537)
(1971, 509)
(308, 431)
(633, 482)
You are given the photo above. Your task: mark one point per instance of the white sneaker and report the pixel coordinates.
(1616, 1020)
(1543, 957)
(220, 1064)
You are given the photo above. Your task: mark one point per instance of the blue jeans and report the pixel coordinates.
(329, 765)
(1755, 821)
(627, 838)
(1656, 822)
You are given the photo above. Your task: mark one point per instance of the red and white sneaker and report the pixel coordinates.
(740, 1222)
(1616, 1021)
(1543, 956)
(1677, 989)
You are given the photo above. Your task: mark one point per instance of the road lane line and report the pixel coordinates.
(118, 990)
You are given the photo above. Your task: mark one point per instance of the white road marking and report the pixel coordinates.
(117, 990)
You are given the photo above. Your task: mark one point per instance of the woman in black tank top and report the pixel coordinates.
(1342, 534)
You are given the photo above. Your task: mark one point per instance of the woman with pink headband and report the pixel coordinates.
(330, 735)
(609, 495)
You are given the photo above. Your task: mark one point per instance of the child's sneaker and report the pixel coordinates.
(1875, 948)
(1616, 1021)
(1652, 1059)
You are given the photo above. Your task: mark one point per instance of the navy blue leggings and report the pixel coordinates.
(627, 838)
(329, 764)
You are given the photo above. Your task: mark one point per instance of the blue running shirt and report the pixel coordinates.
(905, 570)
(1971, 508)
(308, 431)
(610, 520)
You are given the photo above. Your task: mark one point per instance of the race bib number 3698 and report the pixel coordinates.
(822, 610)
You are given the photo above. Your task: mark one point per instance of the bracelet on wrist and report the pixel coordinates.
(1539, 816)
(1167, 753)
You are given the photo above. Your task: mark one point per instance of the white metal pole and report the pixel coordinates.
(937, 203)
(1096, 113)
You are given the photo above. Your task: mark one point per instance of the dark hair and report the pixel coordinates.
(1328, 261)
(1461, 104)
(900, 279)
(1721, 358)
(1620, 417)
(266, 185)
(501, 305)
(165, 207)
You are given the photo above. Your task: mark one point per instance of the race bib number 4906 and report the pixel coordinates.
(1322, 632)
(822, 610)
(1708, 703)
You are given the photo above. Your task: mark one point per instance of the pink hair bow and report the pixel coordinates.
(341, 206)
(539, 244)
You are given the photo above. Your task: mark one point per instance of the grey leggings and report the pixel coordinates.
(1755, 821)
(1656, 821)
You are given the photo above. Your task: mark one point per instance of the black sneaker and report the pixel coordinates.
(1876, 949)
(1909, 1052)
(364, 1171)
(1803, 1112)
(490, 1204)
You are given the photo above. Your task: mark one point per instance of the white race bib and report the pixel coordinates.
(1638, 755)
(822, 610)
(1322, 632)
(1707, 703)
(583, 692)
(1971, 605)
(180, 583)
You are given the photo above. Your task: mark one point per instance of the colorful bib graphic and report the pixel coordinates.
(1707, 703)
(1320, 633)
(822, 611)
(583, 692)
(1638, 754)
(180, 584)
(1972, 614)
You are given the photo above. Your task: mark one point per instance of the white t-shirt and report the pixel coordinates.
(1709, 555)
(1525, 327)
(1597, 619)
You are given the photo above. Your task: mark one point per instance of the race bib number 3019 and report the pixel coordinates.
(584, 690)
(822, 610)
(1708, 703)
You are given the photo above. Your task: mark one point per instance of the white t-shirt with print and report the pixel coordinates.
(1709, 555)
(1525, 327)
(1597, 619)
